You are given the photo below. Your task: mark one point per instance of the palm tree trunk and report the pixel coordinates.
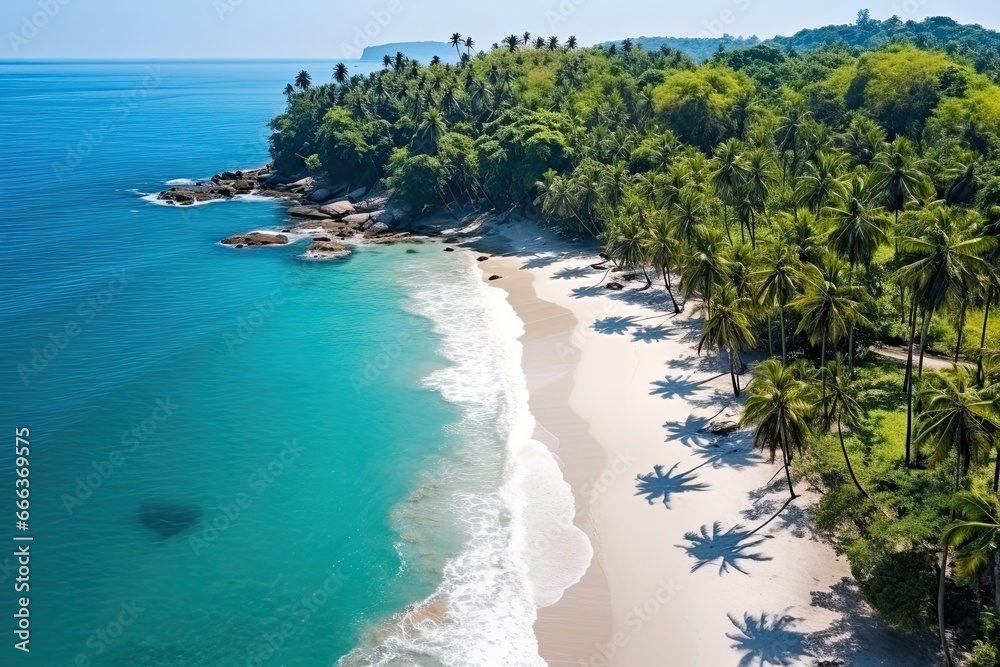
(822, 351)
(666, 282)
(961, 327)
(996, 485)
(847, 459)
(788, 472)
(850, 351)
(908, 380)
(924, 326)
(733, 366)
(770, 341)
(725, 220)
(781, 312)
(943, 576)
(649, 282)
(942, 635)
(982, 339)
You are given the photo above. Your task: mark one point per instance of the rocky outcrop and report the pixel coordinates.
(377, 229)
(401, 237)
(319, 195)
(326, 250)
(308, 212)
(255, 239)
(220, 186)
(338, 210)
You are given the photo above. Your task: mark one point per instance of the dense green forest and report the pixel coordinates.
(811, 206)
(979, 45)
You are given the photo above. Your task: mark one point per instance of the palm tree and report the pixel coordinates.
(526, 37)
(781, 404)
(624, 243)
(400, 61)
(839, 404)
(662, 249)
(974, 534)
(689, 212)
(789, 136)
(741, 270)
(779, 279)
(758, 175)
(949, 247)
(863, 140)
(430, 131)
(830, 306)
(704, 266)
(386, 61)
(900, 176)
(799, 230)
(456, 40)
(956, 418)
(821, 180)
(341, 74)
(728, 327)
(857, 226)
(560, 198)
(553, 43)
(289, 91)
(469, 43)
(571, 42)
(303, 80)
(728, 177)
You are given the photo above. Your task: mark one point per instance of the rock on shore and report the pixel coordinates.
(221, 186)
(326, 250)
(255, 239)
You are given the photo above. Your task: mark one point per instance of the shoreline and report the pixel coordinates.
(615, 379)
(584, 611)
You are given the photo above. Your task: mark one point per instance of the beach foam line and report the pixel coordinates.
(508, 495)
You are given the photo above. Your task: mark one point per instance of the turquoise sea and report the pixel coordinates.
(240, 457)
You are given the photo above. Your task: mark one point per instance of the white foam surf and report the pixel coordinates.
(504, 490)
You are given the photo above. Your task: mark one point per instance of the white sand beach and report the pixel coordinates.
(618, 390)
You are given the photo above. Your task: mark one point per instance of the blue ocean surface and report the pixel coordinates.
(238, 457)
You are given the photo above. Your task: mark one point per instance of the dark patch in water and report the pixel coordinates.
(168, 519)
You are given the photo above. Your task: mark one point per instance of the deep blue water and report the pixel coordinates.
(281, 404)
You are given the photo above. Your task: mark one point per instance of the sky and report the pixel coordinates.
(332, 29)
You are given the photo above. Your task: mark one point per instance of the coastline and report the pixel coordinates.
(549, 364)
(617, 382)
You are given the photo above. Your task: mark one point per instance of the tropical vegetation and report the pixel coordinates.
(811, 205)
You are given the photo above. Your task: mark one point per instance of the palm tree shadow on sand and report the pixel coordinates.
(860, 636)
(678, 387)
(649, 334)
(614, 325)
(584, 292)
(690, 432)
(541, 262)
(729, 547)
(657, 486)
(727, 452)
(767, 640)
(785, 515)
(573, 272)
